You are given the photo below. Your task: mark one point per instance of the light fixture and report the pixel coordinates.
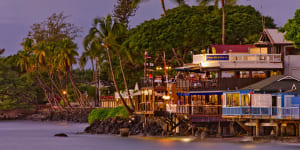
(64, 92)
(166, 97)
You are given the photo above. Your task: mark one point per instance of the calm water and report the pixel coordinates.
(26, 135)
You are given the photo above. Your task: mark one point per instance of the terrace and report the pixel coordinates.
(238, 60)
(262, 112)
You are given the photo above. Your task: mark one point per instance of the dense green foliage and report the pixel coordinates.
(292, 29)
(16, 86)
(104, 113)
(194, 28)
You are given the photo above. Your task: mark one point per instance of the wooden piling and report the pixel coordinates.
(298, 129)
(257, 128)
(277, 127)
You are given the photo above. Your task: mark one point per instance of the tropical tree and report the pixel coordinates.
(292, 29)
(49, 52)
(94, 51)
(109, 31)
(223, 3)
(194, 28)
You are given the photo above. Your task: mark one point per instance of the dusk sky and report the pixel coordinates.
(16, 16)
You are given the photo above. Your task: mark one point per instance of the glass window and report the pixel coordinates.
(244, 74)
(236, 99)
(227, 74)
(213, 99)
(229, 100)
(259, 74)
(245, 100)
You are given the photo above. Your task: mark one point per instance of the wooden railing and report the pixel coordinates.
(261, 58)
(274, 112)
(206, 110)
(195, 85)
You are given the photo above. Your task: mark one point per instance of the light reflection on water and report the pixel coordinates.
(26, 135)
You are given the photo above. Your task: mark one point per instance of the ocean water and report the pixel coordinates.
(28, 135)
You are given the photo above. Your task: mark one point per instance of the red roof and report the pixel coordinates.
(220, 49)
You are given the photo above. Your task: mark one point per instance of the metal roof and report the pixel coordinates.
(275, 83)
(276, 37)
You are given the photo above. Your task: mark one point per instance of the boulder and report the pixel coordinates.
(61, 135)
(124, 132)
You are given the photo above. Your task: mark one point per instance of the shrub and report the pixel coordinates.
(104, 113)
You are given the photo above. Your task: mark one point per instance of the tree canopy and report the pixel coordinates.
(195, 28)
(292, 29)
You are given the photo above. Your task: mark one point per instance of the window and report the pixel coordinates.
(228, 100)
(236, 99)
(259, 74)
(213, 99)
(244, 74)
(227, 74)
(246, 100)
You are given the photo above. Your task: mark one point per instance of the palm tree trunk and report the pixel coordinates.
(125, 83)
(94, 76)
(99, 84)
(163, 7)
(223, 21)
(115, 83)
(96, 84)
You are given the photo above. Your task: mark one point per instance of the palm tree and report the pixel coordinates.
(223, 3)
(108, 32)
(94, 52)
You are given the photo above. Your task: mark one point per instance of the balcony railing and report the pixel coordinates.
(194, 109)
(261, 58)
(151, 82)
(274, 112)
(195, 85)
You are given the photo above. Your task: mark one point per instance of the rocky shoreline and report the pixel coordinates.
(74, 115)
(136, 125)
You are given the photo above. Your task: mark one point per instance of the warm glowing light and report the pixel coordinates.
(158, 68)
(166, 97)
(204, 64)
(186, 140)
(64, 92)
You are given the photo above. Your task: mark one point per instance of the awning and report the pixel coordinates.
(200, 93)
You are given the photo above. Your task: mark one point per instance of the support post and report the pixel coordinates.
(231, 128)
(219, 129)
(277, 129)
(257, 128)
(282, 129)
(299, 129)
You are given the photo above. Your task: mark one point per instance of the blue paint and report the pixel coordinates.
(217, 57)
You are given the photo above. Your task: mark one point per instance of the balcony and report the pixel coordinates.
(157, 84)
(238, 60)
(263, 112)
(196, 85)
(204, 110)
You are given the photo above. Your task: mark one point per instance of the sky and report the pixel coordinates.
(16, 16)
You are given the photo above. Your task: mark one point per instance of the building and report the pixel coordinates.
(274, 42)
(271, 104)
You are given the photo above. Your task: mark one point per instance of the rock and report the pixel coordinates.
(124, 132)
(203, 135)
(61, 135)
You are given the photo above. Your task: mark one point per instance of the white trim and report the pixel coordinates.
(289, 77)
